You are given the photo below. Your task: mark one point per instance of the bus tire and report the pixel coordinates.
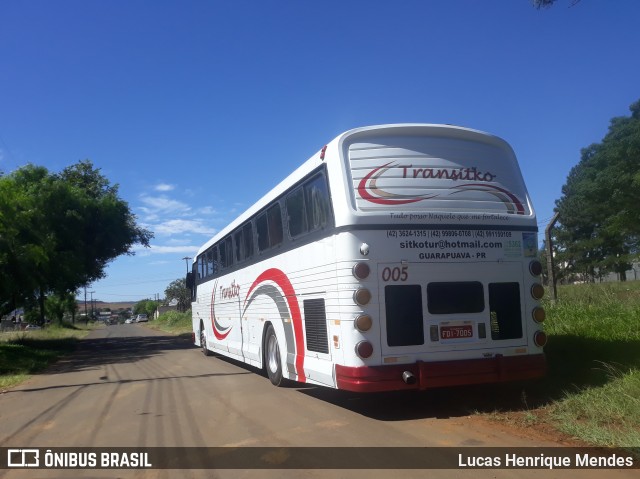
(203, 341)
(272, 360)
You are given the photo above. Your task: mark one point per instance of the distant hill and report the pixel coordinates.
(112, 306)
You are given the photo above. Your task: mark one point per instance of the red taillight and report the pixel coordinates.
(323, 151)
(540, 338)
(364, 349)
(361, 271)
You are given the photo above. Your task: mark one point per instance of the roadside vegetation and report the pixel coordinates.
(173, 322)
(594, 355)
(23, 353)
(592, 389)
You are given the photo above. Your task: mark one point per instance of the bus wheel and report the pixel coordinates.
(272, 357)
(203, 342)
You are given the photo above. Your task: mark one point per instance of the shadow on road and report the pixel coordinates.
(573, 363)
(95, 352)
(442, 403)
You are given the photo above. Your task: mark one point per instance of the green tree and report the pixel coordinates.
(177, 290)
(599, 227)
(146, 306)
(58, 232)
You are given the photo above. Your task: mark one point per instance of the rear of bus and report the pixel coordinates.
(437, 260)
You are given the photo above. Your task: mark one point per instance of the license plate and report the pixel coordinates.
(456, 332)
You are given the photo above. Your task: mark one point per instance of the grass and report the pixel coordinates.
(23, 353)
(592, 389)
(173, 322)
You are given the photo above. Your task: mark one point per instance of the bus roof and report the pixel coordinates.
(347, 149)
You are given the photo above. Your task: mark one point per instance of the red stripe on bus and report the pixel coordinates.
(285, 285)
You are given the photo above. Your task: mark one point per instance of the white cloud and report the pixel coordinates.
(163, 249)
(207, 210)
(181, 226)
(163, 204)
(164, 187)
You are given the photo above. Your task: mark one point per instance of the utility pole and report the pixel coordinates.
(186, 260)
(550, 271)
(91, 293)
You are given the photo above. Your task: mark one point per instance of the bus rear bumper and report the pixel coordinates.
(440, 374)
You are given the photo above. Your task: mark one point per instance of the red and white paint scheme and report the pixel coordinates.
(397, 257)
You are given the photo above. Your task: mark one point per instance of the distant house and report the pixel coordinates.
(632, 274)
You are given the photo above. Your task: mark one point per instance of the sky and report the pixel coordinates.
(196, 108)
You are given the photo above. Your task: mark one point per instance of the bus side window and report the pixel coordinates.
(201, 267)
(263, 232)
(228, 243)
(297, 219)
(226, 252)
(269, 225)
(243, 242)
(275, 225)
(247, 237)
(238, 245)
(317, 203)
(210, 264)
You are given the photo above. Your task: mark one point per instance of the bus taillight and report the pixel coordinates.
(540, 338)
(364, 349)
(361, 271)
(538, 314)
(537, 291)
(535, 268)
(363, 322)
(362, 296)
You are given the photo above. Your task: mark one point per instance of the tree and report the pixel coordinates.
(178, 290)
(58, 232)
(599, 214)
(146, 306)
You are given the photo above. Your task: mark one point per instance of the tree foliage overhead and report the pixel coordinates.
(547, 3)
(58, 232)
(600, 204)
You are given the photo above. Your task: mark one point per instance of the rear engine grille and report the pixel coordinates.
(315, 325)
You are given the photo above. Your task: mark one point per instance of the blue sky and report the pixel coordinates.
(197, 108)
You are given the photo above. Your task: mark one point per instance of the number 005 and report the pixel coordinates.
(399, 273)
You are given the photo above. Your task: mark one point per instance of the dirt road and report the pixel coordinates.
(129, 386)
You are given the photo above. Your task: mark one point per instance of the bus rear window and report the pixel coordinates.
(403, 305)
(457, 297)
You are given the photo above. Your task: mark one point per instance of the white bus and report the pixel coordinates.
(397, 257)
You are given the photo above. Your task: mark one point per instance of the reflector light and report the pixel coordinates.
(362, 296)
(535, 267)
(538, 314)
(364, 349)
(363, 322)
(433, 333)
(361, 270)
(537, 291)
(540, 338)
(364, 249)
